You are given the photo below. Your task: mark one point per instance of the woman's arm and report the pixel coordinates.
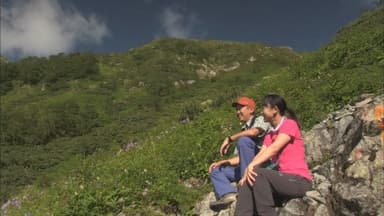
(262, 151)
(270, 151)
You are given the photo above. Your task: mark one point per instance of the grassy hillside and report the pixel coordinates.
(169, 103)
(55, 108)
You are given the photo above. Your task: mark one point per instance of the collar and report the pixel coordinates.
(278, 126)
(249, 123)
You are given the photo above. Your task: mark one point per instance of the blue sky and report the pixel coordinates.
(46, 27)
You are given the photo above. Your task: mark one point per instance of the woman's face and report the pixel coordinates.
(269, 112)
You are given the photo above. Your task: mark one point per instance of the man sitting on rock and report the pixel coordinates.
(249, 140)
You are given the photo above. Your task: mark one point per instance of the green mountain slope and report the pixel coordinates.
(138, 101)
(66, 105)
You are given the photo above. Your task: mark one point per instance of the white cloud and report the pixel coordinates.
(44, 27)
(175, 24)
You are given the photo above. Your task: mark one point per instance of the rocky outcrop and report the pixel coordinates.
(346, 153)
(181, 83)
(209, 71)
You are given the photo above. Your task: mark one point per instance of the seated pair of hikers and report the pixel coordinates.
(260, 186)
(224, 173)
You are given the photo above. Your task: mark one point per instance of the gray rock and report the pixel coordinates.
(359, 170)
(294, 207)
(228, 212)
(315, 196)
(316, 142)
(322, 210)
(363, 103)
(322, 184)
(202, 208)
(356, 199)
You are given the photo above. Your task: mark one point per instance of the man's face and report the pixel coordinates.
(244, 113)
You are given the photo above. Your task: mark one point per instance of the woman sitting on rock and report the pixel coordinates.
(260, 188)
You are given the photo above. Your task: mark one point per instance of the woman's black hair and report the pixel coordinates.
(276, 100)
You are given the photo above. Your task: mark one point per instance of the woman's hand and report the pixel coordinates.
(244, 178)
(249, 175)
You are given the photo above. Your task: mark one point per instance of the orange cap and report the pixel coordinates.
(245, 101)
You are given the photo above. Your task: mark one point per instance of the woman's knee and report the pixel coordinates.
(261, 171)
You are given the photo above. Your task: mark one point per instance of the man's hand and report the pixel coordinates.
(217, 164)
(224, 147)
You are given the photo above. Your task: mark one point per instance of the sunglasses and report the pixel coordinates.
(239, 107)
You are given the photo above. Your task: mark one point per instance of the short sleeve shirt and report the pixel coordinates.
(292, 158)
(257, 122)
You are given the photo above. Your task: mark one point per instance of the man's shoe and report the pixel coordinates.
(223, 202)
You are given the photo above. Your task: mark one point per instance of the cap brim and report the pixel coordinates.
(234, 104)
